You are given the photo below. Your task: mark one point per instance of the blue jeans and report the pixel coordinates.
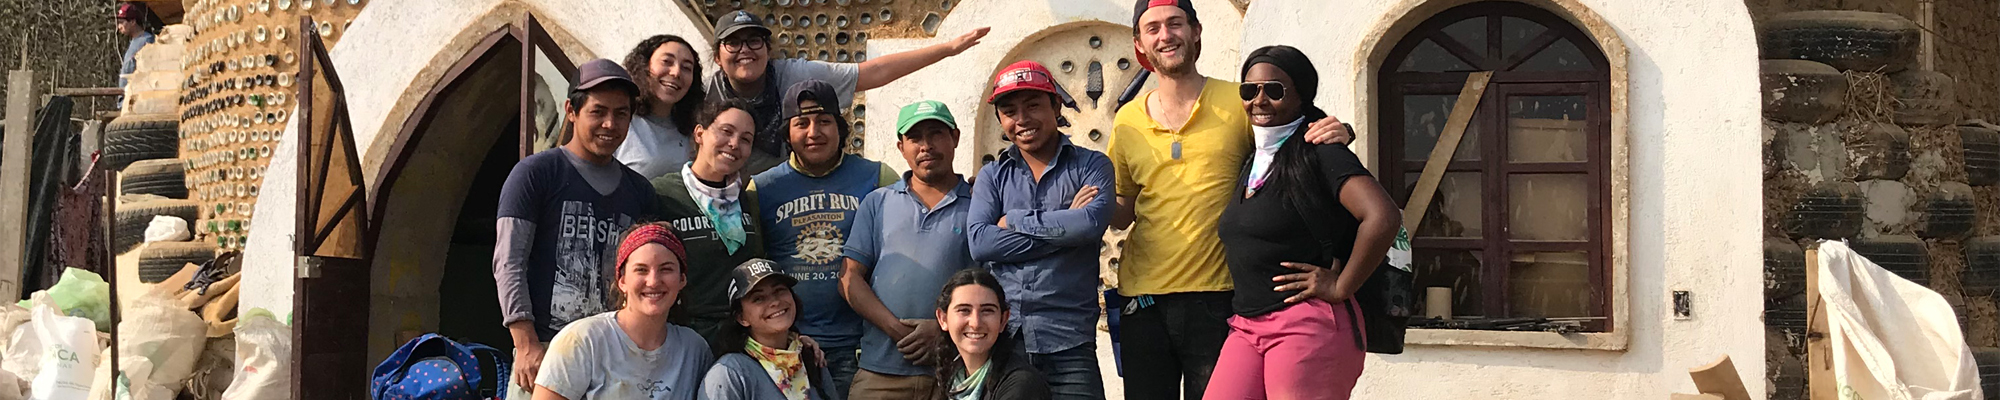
(1072, 374)
(842, 362)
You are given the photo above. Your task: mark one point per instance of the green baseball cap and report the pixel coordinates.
(920, 111)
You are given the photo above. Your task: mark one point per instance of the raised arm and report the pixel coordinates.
(1075, 226)
(988, 241)
(879, 71)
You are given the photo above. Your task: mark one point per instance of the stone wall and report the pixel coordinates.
(1881, 160)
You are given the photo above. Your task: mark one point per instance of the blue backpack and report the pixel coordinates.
(435, 368)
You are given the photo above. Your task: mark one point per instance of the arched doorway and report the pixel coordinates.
(435, 198)
(1520, 224)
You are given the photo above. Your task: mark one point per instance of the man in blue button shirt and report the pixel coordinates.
(907, 240)
(1038, 220)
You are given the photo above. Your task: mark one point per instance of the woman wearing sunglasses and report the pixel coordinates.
(1295, 334)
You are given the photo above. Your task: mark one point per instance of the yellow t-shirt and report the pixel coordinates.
(1173, 247)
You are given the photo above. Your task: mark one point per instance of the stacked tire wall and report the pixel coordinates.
(1862, 145)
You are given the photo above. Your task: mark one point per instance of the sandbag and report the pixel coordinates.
(68, 356)
(166, 339)
(263, 354)
(1892, 338)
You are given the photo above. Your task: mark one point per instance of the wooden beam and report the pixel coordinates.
(1454, 129)
(23, 101)
(1819, 346)
(90, 92)
(1720, 378)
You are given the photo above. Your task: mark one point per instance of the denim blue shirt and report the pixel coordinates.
(910, 250)
(1047, 257)
(129, 63)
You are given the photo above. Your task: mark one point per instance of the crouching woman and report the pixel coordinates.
(763, 357)
(984, 364)
(633, 352)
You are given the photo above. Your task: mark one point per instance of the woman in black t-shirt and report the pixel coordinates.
(1306, 228)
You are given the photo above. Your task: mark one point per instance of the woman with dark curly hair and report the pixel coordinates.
(983, 363)
(669, 76)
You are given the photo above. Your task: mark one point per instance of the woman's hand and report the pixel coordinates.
(1328, 130)
(808, 344)
(1312, 281)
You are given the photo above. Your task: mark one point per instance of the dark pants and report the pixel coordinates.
(1170, 347)
(842, 362)
(1072, 374)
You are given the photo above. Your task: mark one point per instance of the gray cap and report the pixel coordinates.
(737, 21)
(747, 275)
(600, 72)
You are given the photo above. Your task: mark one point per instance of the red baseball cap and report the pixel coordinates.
(1027, 75)
(1139, 9)
(132, 11)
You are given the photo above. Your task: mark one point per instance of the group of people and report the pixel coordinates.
(713, 240)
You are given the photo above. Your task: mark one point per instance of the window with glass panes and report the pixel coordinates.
(1519, 225)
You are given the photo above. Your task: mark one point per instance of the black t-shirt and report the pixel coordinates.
(1264, 230)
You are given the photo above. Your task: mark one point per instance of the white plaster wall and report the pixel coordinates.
(1695, 201)
(380, 59)
(960, 82)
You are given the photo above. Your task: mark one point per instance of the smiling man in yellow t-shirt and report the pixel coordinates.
(1176, 151)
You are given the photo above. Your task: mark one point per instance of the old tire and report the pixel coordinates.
(1982, 154)
(1847, 40)
(140, 137)
(130, 228)
(160, 261)
(1924, 97)
(1882, 151)
(1830, 210)
(1784, 268)
(1982, 266)
(164, 177)
(1906, 256)
(1802, 91)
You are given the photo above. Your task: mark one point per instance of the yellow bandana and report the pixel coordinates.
(784, 365)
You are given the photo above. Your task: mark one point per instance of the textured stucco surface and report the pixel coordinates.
(1693, 142)
(397, 51)
(962, 82)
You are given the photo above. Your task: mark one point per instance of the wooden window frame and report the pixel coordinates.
(1495, 246)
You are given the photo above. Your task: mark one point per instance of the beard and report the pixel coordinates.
(1190, 52)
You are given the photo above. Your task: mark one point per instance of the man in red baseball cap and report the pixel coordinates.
(1177, 152)
(1037, 221)
(138, 24)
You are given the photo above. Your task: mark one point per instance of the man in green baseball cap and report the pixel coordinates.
(909, 238)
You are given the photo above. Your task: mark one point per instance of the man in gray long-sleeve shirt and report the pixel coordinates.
(561, 213)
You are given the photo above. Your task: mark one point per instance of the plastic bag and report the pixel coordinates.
(10, 387)
(12, 317)
(167, 228)
(68, 355)
(82, 294)
(1892, 338)
(166, 340)
(263, 352)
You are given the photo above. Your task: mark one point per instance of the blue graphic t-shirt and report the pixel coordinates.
(575, 234)
(805, 221)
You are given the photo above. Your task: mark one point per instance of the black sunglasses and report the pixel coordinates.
(1249, 90)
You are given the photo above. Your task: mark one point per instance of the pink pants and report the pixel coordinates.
(1304, 351)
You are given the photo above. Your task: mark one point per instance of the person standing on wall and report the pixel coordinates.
(631, 352)
(1177, 151)
(907, 240)
(137, 24)
(668, 72)
(805, 209)
(704, 201)
(1297, 333)
(560, 213)
(747, 72)
(1038, 220)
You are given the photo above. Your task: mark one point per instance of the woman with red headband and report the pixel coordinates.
(632, 352)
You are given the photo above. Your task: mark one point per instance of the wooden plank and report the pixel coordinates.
(23, 101)
(1819, 346)
(90, 92)
(1720, 378)
(1454, 129)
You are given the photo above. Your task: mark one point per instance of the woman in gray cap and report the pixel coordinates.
(762, 355)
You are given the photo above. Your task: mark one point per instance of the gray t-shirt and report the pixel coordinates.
(654, 147)
(782, 74)
(592, 359)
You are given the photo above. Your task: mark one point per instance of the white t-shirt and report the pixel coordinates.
(654, 146)
(592, 359)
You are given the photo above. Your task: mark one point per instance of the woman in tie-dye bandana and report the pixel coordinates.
(631, 353)
(705, 203)
(762, 355)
